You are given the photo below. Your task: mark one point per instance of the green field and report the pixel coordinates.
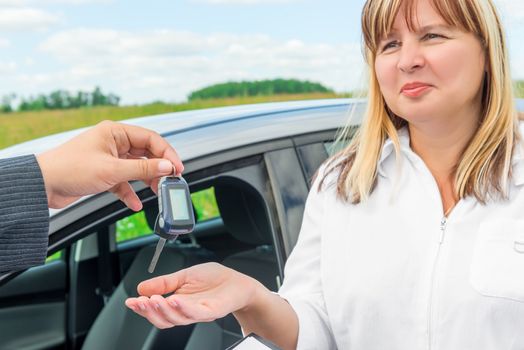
(23, 126)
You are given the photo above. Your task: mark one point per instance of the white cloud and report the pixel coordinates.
(25, 19)
(7, 68)
(245, 2)
(18, 3)
(29, 61)
(517, 69)
(4, 43)
(169, 64)
(511, 10)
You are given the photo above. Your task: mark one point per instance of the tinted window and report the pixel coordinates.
(54, 257)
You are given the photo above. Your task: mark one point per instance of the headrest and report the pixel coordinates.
(243, 211)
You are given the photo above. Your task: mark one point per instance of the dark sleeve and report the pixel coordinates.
(24, 215)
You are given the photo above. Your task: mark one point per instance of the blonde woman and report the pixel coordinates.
(413, 236)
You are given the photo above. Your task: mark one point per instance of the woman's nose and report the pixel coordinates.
(411, 58)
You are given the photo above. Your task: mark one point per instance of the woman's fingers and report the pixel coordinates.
(150, 311)
(162, 284)
(159, 311)
(132, 303)
(169, 310)
(195, 308)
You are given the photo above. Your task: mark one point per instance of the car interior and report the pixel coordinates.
(244, 217)
(97, 273)
(76, 300)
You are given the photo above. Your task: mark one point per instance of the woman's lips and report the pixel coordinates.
(414, 89)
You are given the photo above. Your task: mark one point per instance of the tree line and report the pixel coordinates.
(59, 99)
(258, 88)
(62, 99)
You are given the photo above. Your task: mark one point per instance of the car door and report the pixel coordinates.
(33, 307)
(66, 315)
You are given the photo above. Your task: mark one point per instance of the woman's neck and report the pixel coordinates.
(440, 144)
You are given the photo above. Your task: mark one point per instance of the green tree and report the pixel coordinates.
(6, 103)
(62, 99)
(258, 88)
(519, 88)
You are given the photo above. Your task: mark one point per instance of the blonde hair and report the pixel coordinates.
(485, 165)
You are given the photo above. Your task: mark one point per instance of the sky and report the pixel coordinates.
(146, 51)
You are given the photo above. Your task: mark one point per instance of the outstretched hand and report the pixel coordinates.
(105, 158)
(201, 293)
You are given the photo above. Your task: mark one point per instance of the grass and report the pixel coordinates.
(23, 126)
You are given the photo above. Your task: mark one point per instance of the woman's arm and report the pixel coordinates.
(206, 292)
(271, 317)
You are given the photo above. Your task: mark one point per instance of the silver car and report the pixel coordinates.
(253, 164)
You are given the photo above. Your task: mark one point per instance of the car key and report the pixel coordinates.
(158, 250)
(175, 213)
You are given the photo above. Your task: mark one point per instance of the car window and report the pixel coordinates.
(205, 204)
(133, 226)
(136, 225)
(333, 147)
(54, 257)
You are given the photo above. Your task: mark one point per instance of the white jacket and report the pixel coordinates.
(394, 273)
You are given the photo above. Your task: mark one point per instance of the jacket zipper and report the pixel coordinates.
(442, 233)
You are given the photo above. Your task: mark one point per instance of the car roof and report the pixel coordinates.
(200, 132)
(204, 132)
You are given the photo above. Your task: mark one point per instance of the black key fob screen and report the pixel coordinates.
(175, 208)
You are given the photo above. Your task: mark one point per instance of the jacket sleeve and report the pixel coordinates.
(302, 286)
(24, 215)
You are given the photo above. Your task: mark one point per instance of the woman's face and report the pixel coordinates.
(434, 71)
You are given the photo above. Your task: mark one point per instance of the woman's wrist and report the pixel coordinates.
(257, 297)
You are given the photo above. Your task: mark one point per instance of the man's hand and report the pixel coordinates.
(105, 158)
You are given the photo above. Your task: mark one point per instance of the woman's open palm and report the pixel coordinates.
(201, 293)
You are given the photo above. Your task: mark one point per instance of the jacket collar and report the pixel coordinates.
(388, 150)
(517, 164)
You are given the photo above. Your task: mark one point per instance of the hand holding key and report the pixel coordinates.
(105, 158)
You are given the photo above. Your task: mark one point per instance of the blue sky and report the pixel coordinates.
(162, 50)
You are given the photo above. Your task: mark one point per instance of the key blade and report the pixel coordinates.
(156, 256)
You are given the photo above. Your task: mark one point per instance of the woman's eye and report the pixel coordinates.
(430, 36)
(390, 45)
